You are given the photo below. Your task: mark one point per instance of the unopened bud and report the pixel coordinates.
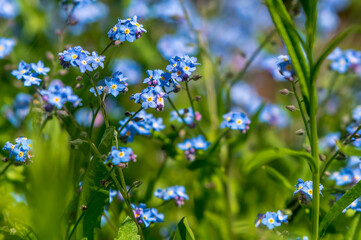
(292, 108)
(300, 132)
(59, 32)
(138, 119)
(192, 125)
(322, 157)
(96, 75)
(79, 78)
(62, 72)
(127, 114)
(49, 55)
(83, 134)
(185, 110)
(196, 77)
(308, 148)
(117, 42)
(341, 156)
(177, 88)
(79, 85)
(197, 98)
(83, 207)
(284, 91)
(5, 159)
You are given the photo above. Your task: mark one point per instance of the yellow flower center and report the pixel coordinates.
(32, 79)
(228, 119)
(345, 178)
(239, 121)
(74, 56)
(188, 145)
(162, 78)
(310, 191)
(289, 67)
(56, 99)
(170, 192)
(137, 24)
(299, 187)
(21, 154)
(126, 31)
(83, 62)
(179, 73)
(127, 133)
(29, 145)
(174, 64)
(115, 28)
(97, 60)
(1, 47)
(144, 217)
(12, 147)
(150, 99)
(100, 87)
(121, 154)
(271, 220)
(114, 86)
(40, 69)
(22, 71)
(151, 76)
(186, 68)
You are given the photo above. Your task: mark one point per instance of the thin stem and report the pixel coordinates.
(328, 162)
(301, 110)
(111, 223)
(107, 47)
(176, 110)
(76, 224)
(93, 121)
(101, 103)
(253, 57)
(194, 111)
(6, 168)
(130, 119)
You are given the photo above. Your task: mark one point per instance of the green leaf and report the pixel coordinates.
(128, 230)
(332, 45)
(278, 177)
(184, 232)
(351, 195)
(351, 232)
(93, 195)
(310, 8)
(269, 155)
(349, 150)
(293, 42)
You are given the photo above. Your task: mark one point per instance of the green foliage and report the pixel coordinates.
(128, 230)
(339, 206)
(184, 232)
(349, 149)
(278, 177)
(293, 42)
(93, 195)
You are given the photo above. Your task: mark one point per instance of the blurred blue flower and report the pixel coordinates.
(274, 115)
(131, 68)
(187, 115)
(191, 146)
(245, 96)
(270, 220)
(6, 45)
(176, 45)
(146, 215)
(58, 94)
(21, 150)
(270, 64)
(178, 193)
(8, 9)
(126, 30)
(285, 67)
(120, 155)
(329, 140)
(305, 190)
(20, 108)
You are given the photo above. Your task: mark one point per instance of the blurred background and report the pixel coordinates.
(230, 32)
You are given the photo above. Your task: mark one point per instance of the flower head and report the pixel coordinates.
(305, 190)
(236, 121)
(178, 193)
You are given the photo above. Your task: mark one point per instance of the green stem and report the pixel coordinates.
(176, 110)
(93, 121)
(301, 110)
(253, 57)
(316, 172)
(328, 162)
(76, 224)
(130, 119)
(6, 168)
(107, 47)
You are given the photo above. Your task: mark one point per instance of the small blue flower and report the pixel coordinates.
(21, 150)
(178, 193)
(305, 190)
(236, 121)
(126, 30)
(100, 87)
(199, 143)
(356, 114)
(6, 46)
(285, 67)
(270, 220)
(97, 60)
(120, 155)
(23, 70)
(31, 80)
(39, 68)
(145, 215)
(58, 94)
(274, 115)
(84, 64)
(281, 217)
(116, 85)
(342, 177)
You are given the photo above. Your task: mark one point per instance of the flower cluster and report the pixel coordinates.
(181, 68)
(142, 124)
(78, 57)
(178, 193)
(57, 95)
(30, 72)
(305, 190)
(21, 150)
(121, 155)
(19, 109)
(6, 46)
(271, 219)
(151, 97)
(236, 121)
(355, 205)
(84, 117)
(285, 67)
(114, 85)
(342, 61)
(126, 30)
(147, 215)
(191, 146)
(274, 115)
(187, 115)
